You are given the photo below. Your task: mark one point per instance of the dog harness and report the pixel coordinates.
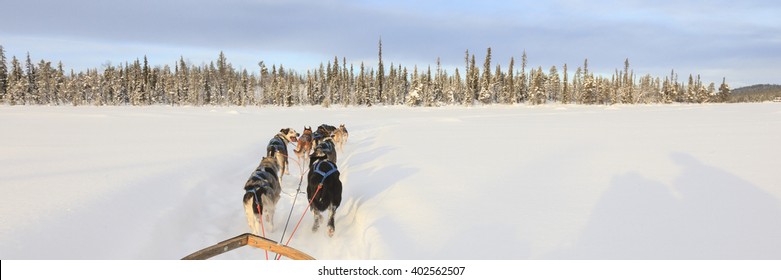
(326, 147)
(264, 178)
(327, 173)
(276, 143)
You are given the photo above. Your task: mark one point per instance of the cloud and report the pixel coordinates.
(660, 34)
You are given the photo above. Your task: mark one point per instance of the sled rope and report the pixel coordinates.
(298, 191)
(319, 186)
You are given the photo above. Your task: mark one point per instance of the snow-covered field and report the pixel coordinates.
(499, 182)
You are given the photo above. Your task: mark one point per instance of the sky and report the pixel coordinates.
(739, 40)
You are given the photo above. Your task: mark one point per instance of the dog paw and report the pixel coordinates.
(330, 232)
(315, 227)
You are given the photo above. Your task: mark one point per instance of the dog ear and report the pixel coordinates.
(284, 130)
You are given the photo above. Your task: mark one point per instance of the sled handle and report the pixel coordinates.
(251, 240)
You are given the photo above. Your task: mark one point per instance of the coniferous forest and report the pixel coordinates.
(29, 82)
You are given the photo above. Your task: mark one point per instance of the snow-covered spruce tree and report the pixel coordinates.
(335, 83)
(43, 81)
(390, 86)
(485, 81)
(85, 88)
(182, 82)
(690, 90)
(3, 74)
(510, 94)
(31, 95)
(380, 77)
(589, 95)
(553, 85)
(566, 96)
(711, 93)
(17, 84)
(456, 90)
(724, 91)
(347, 83)
(107, 80)
(577, 86)
(626, 87)
(497, 84)
(523, 84)
(352, 87)
(59, 85)
(646, 92)
(438, 86)
(425, 92)
(322, 88)
(537, 88)
(371, 89)
(414, 98)
(404, 85)
(361, 87)
(71, 91)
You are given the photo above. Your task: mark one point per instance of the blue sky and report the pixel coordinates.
(739, 40)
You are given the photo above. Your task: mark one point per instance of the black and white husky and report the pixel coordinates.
(324, 145)
(262, 192)
(277, 148)
(324, 190)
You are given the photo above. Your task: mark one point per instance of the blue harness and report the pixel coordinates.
(326, 147)
(276, 143)
(324, 174)
(262, 176)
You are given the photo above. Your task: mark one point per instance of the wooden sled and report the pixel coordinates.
(251, 240)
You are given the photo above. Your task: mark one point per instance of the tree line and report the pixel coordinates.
(337, 82)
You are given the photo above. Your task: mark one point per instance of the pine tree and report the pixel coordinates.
(565, 91)
(346, 83)
(690, 90)
(455, 90)
(31, 95)
(414, 98)
(553, 85)
(497, 84)
(3, 74)
(724, 91)
(182, 83)
(59, 85)
(438, 85)
(537, 87)
(627, 85)
(523, 94)
(72, 90)
(146, 76)
(472, 84)
(404, 84)
(361, 86)
(17, 84)
(428, 89)
(380, 76)
(510, 95)
(467, 77)
(371, 89)
(590, 92)
(334, 83)
(485, 81)
(44, 82)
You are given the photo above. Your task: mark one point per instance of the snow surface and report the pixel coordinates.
(498, 182)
